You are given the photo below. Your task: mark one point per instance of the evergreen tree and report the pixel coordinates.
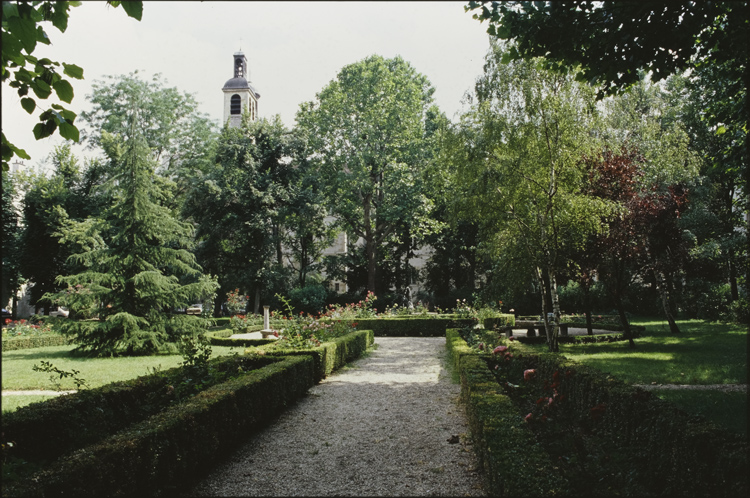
(144, 270)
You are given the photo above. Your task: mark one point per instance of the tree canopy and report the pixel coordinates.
(366, 130)
(22, 28)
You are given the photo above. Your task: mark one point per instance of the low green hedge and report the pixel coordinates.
(46, 430)
(514, 463)
(332, 355)
(130, 438)
(415, 326)
(39, 341)
(169, 448)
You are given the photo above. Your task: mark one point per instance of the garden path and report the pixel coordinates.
(388, 425)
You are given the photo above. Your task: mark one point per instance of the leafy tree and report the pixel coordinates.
(366, 129)
(520, 169)
(10, 236)
(238, 206)
(609, 42)
(144, 270)
(22, 28)
(180, 138)
(48, 205)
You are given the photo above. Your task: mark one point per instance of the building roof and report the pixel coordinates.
(240, 84)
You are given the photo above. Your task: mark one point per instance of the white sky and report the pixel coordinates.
(293, 48)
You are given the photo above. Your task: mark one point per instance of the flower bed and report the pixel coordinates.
(606, 437)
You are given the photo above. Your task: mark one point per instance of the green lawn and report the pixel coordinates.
(704, 353)
(18, 372)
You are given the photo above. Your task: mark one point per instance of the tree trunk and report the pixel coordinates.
(543, 294)
(554, 346)
(661, 286)
(733, 278)
(587, 307)
(256, 306)
(624, 320)
(369, 243)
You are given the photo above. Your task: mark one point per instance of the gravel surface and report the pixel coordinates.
(387, 425)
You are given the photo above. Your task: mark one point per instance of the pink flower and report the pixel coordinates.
(511, 338)
(499, 349)
(529, 374)
(527, 418)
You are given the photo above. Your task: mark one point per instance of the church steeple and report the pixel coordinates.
(239, 96)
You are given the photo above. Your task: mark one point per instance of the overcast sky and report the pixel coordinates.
(293, 48)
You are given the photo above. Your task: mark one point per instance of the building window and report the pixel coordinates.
(235, 105)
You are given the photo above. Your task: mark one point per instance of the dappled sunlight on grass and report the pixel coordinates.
(704, 353)
(18, 373)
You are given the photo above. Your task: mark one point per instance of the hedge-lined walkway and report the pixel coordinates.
(388, 425)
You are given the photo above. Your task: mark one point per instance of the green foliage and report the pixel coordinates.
(181, 139)
(22, 29)
(366, 130)
(514, 463)
(590, 35)
(47, 367)
(250, 186)
(310, 299)
(144, 269)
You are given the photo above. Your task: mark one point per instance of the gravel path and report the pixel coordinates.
(389, 425)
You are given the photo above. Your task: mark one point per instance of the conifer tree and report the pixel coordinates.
(143, 271)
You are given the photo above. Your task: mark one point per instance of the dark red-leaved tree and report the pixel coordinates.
(644, 237)
(614, 177)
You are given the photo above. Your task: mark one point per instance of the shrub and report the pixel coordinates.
(310, 299)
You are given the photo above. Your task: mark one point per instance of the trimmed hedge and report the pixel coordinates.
(169, 448)
(46, 430)
(415, 326)
(514, 463)
(15, 343)
(159, 445)
(332, 355)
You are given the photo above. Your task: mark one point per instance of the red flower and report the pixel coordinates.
(529, 374)
(511, 338)
(499, 349)
(7, 321)
(598, 410)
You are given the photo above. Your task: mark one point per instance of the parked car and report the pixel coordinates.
(60, 311)
(7, 314)
(195, 309)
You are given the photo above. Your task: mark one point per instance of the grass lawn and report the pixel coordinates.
(18, 372)
(704, 353)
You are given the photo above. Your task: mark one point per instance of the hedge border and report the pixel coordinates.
(416, 326)
(168, 449)
(16, 343)
(514, 463)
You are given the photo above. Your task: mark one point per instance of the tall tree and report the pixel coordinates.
(366, 129)
(144, 271)
(520, 168)
(47, 205)
(11, 275)
(22, 28)
(181, 138)
(238, 206)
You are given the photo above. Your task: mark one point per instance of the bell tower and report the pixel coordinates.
(239, 96)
